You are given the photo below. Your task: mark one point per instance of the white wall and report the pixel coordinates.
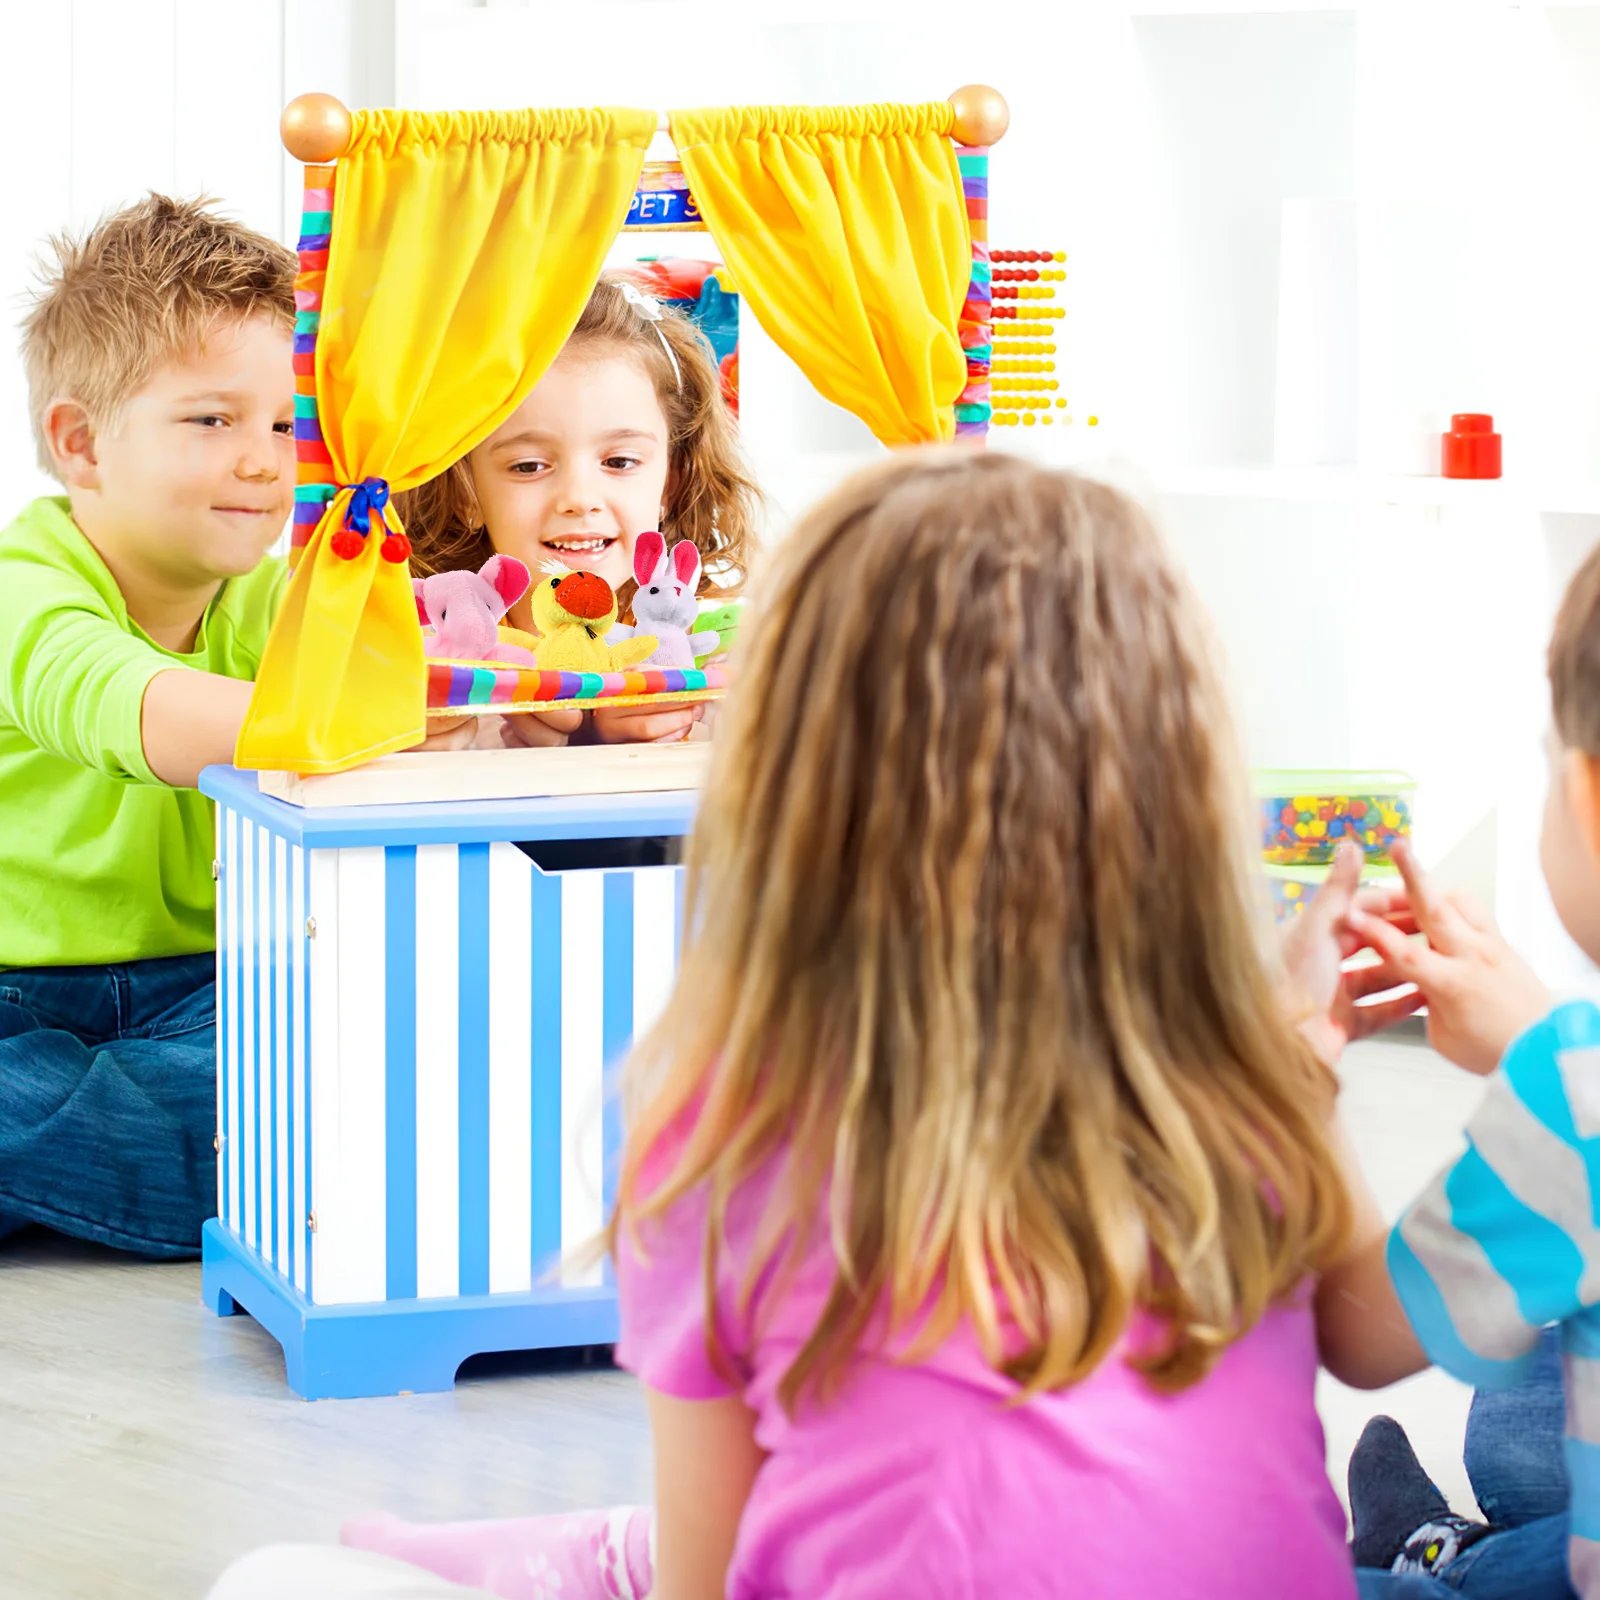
(1369, 618)
(1058, 173)
(104, 100)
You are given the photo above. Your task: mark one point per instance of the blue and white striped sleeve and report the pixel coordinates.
(1505, 1241)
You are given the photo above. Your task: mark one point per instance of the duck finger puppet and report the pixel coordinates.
(574, 613)
(665, 601)
(464, 610)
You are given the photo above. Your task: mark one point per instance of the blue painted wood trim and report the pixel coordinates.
(666, 814)
(472, 1066)
(225, 959)
(271, 926)
(546, 1068)
(400, 1070)
(616, 1024)
(392, 1346)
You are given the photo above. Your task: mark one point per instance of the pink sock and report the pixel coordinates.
(587, 1555)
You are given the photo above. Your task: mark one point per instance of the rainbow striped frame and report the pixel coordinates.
(972, 404)
(314, 485)
(457, 686)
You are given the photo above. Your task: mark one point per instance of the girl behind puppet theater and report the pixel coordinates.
(977, 1179)
(625, 433)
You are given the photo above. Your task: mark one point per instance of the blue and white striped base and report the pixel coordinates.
(413, 1042)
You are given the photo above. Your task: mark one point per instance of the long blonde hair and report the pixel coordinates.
(713, 501)
(971, 944)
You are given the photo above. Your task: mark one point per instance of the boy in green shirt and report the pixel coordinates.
(133, 613)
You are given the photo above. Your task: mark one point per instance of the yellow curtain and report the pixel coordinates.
(845, 229)
(464, 246)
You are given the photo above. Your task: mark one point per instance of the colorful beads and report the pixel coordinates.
(1289, 896)
(1022, 358)
(1292, 889)
(1019, 281)
(1306, 827)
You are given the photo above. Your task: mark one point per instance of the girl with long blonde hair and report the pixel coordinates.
(979, 1175)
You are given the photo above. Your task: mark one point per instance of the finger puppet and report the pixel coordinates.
(724, 621)
(574, 613)
(464, 610)
(665, 602)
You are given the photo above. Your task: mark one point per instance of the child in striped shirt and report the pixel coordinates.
(1505, 1242)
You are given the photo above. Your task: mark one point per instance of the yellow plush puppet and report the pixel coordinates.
(573, 615)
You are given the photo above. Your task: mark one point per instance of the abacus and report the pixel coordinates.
(1022, 379)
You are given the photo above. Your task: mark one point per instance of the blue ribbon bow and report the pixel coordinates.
(371, 495)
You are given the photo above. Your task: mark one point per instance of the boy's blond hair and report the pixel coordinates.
(1575, 661)
(135, 290)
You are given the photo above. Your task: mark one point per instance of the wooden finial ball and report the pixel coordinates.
(982, 115)
(315, 128)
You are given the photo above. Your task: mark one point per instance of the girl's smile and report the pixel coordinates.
(579, 549)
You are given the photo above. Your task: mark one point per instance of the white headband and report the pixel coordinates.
(650, 310)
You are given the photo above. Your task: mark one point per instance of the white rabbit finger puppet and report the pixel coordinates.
(666, 602)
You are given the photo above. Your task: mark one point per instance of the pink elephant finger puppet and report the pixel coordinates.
(666, 603)
(464, 610)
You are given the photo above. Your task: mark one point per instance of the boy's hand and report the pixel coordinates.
(455, 733)
(190, 720)
(1480, 993)
(1315, 947)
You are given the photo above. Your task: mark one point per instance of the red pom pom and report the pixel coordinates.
(396, 548)
(347, 544)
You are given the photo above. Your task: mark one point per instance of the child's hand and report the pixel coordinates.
(645, 725)
(1480, 993)
(456, 733)
(540, 729)
(190, 720)
(1316, 946)
(516, 730)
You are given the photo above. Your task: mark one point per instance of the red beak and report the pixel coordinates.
(584, 595)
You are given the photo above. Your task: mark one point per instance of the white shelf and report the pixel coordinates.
(1351, 486)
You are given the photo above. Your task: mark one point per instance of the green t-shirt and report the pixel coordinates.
(99, 860)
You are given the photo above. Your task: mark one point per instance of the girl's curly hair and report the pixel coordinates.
(713, 498)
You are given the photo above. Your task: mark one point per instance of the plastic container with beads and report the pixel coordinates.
(1305, 816)
(1291, 888)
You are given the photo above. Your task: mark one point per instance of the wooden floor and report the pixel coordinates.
(144, 1443)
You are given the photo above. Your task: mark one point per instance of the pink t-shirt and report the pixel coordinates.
(919, 1481)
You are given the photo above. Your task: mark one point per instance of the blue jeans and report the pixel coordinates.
(1514, 1459)
(108, 1102)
